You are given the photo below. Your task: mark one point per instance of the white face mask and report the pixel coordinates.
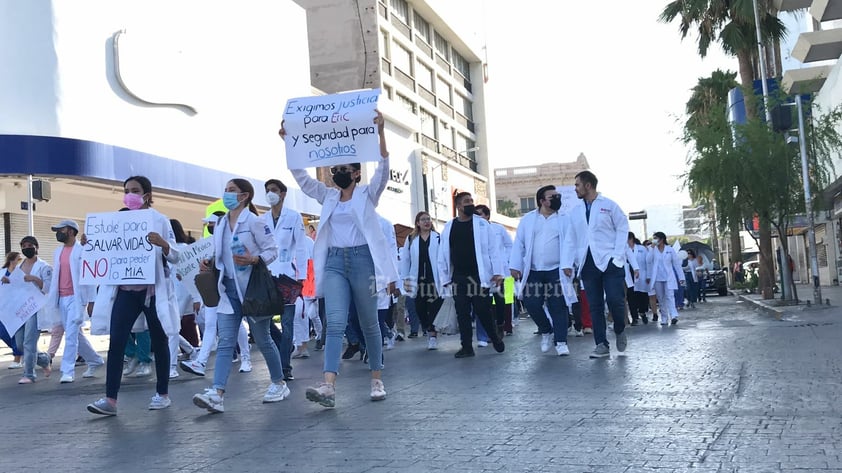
(273, 198)
(655, 241)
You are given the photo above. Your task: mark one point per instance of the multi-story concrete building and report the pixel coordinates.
(433, 90)
(519, 184)
(818, 48)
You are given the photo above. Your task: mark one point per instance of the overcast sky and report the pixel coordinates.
(604, 79)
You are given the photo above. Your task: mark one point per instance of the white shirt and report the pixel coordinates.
(545, 244)
(605, 234)
(345, 233)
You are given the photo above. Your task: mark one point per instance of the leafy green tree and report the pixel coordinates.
(508, 208)
(730, 23)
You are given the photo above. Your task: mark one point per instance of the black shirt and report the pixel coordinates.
(425, 267)
(462, 252)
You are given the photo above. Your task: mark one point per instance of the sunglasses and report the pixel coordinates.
(341, 169)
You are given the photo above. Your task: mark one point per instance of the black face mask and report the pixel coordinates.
(342, 179)
(61, 237)
(28, 252)
(210, 229)
(469, 209)
(555, 202)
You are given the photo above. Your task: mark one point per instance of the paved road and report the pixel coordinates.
(729, 389)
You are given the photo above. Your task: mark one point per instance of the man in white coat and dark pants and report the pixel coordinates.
(469, 265)
(499, 237)
(597, 241)
(73, 300)
(288, 228)
(536, 261)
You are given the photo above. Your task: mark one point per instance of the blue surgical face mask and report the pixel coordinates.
(230, 200)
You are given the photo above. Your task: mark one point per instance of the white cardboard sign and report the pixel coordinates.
(117, 250)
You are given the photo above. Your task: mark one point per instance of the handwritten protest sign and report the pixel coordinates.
(188, 263)
(331, 129)
(19, 300)
(117, 251)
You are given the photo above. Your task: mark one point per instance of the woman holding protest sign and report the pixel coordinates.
(241, 240)
(124, 303)
(350, 252)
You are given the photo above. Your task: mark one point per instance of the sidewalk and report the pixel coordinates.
(831, 298)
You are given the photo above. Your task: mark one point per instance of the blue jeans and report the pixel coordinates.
(601, 287)
(4, 335)
(545, 287)
(692, 289)
(349, 275)
(228, 326)
(27, 337)
(414, 321)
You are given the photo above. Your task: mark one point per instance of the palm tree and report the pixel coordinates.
(730, 23)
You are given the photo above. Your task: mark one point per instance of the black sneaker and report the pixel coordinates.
(288, 375)
(674, 321)
(499, 346)
(645, 319)
(465, 353)
(413, 335)
(352, 350)
(635, 322)
(399, 337)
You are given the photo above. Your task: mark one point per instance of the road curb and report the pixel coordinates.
(775, 312)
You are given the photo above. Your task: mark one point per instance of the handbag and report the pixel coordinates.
(262, 297)
(289, 288)
(207, 283)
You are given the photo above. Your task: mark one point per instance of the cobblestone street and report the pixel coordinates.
(729, 389)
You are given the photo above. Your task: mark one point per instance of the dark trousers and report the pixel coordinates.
(469, 296)
(499, 308)
(577, 316)
(604, 287)
(127, 307)
(638, 302)
(427, 307)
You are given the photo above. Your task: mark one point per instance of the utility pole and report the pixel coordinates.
(808, 200)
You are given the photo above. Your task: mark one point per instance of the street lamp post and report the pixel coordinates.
(808, 200)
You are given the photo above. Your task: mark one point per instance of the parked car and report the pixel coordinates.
(716, 281)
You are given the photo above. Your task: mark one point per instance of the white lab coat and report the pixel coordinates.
(410, 261)
(635, 266)
(606, 234)
(257, 237)
(503, 241)
(520, 257)
(166, 304)
(489, 264)
(84, 294)
(384, 299)
(640, 254)
(363, 204)
(289, 238)
(669, 262)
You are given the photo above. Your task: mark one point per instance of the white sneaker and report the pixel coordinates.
(245, 365)
(300, 353)
(130, 367)
(432, 343)
(66, 378)
(390, 342)
(159, 402)
(15, 365)
(276, 392)
(571, 331)
(194, 367)
(91, 371)
(546, 342)
(378, 391)
(210, 400)
(143, 370)
(173, 372)
(588, 330)
(579, 333)
(482, 343)
(561, 349)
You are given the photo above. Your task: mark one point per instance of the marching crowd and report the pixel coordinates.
(565, 269)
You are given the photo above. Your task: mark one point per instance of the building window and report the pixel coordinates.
(443, 90)
(527, 204)
(463, 105)
(407, 104)
(428, 124)
(442, 47)
(422, 27)
(424, 76)
(388, 91)
(401, 58)
(384, 37)
(445, 134)
(400, 9)
(462, 65)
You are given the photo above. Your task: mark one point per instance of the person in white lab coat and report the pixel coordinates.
(500, 237)
(597, 240)
(638, 292)
(665, 275)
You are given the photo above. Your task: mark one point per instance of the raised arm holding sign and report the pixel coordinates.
(334, 129)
